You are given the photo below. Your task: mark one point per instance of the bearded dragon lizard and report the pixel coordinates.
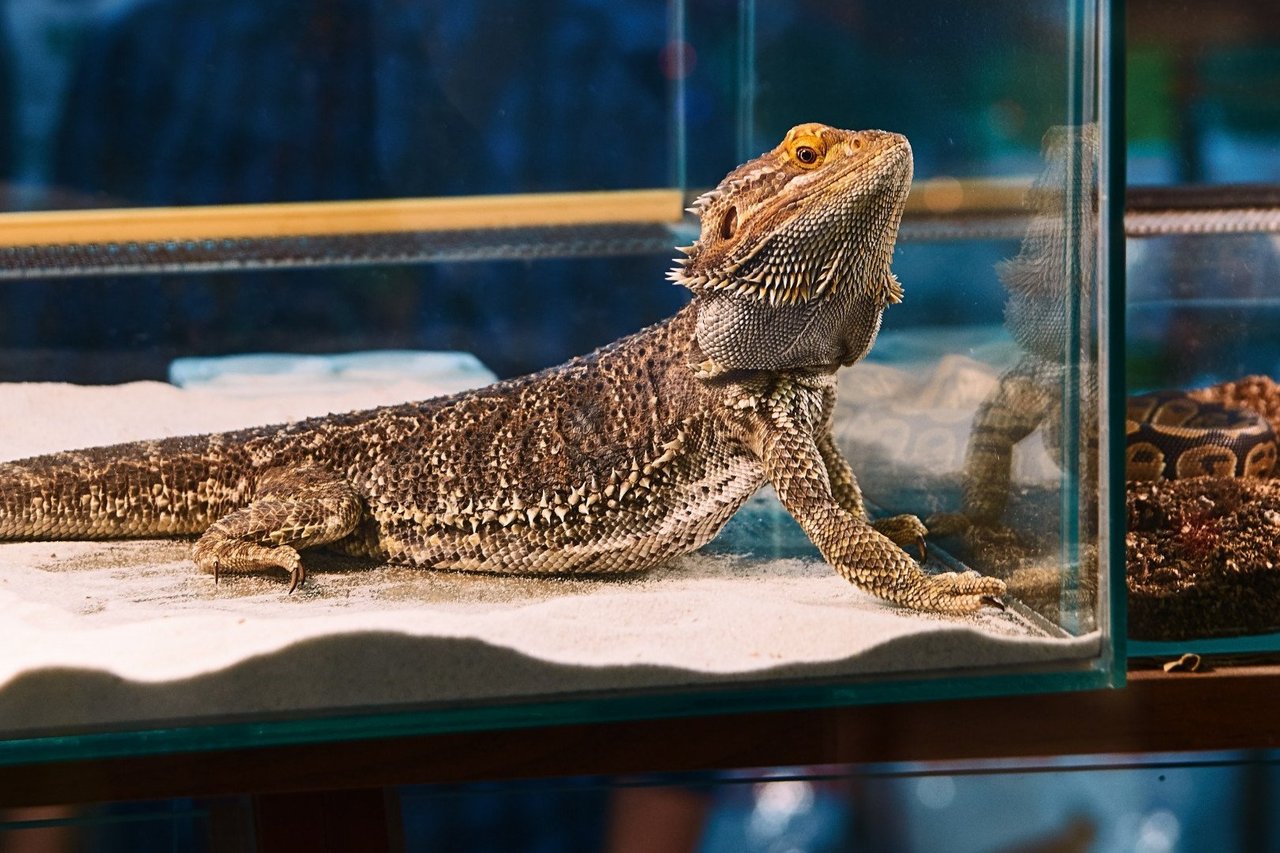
(613, 462)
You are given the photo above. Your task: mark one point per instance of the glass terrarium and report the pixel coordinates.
(1203, 253)
(246, 214)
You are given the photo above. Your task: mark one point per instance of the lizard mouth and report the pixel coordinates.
(890, 162)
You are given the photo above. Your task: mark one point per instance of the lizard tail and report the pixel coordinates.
(137, 490)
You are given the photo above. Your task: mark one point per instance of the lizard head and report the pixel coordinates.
(791, 267)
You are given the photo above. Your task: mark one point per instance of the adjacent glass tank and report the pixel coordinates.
(318, 207)
(1203, 255)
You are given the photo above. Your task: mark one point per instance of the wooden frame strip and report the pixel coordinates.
(162, 224)
(935, 197)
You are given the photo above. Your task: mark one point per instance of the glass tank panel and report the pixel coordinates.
(379, 204)
(1203, 568)
(1203, 256)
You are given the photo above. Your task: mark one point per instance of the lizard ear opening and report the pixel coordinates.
(729, 223)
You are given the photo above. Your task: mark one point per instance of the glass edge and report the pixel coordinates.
(1112, 58)
(1093, 673)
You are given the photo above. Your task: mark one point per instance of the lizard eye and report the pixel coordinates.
(729, 224)
(808, 151)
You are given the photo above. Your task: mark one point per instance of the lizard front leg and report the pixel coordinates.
(292, 509)
(862, 554)
(904, 530)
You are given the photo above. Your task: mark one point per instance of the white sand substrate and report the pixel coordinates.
(129, 634)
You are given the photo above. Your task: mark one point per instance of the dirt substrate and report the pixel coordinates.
(1259, 393)
(1203, 557)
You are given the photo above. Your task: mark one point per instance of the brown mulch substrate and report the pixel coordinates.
(1203, 557)
(1260, 393)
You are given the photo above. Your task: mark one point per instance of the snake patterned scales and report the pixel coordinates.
(1171, 436)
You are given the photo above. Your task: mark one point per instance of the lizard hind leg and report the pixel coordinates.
(291, 509)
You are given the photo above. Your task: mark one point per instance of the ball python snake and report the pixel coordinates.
(1171, 436)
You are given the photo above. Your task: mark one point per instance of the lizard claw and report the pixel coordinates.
(924, 549)
(217, 570)
(296, 577)
(994, 601)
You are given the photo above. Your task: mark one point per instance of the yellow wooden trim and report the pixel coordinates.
(937, 196)
(159, 224)
(940, 196)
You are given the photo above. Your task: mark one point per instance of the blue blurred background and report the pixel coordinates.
(1221, 802)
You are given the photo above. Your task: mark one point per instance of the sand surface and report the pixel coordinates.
(129, 634)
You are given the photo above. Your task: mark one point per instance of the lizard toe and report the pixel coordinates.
(296, 576)
(969, 592)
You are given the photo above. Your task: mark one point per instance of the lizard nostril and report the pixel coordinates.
(857, 141)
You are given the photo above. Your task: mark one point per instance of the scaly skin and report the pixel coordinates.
(611, 463)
